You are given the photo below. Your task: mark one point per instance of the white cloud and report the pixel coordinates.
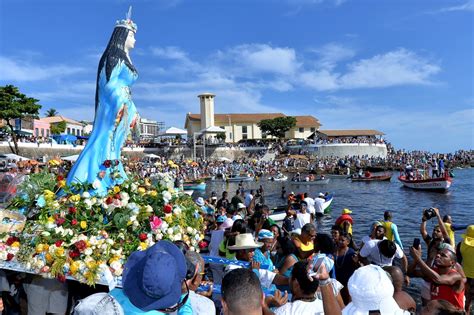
(21, 71)
(261, 58)
(170, 52)
(394, 68)
(398, 67)
(332, 53)
(468, 6)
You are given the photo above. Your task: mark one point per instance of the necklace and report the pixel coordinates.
(305, 299)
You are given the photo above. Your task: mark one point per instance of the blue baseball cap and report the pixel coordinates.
(152, 278)
(263, 234)
(221, 219)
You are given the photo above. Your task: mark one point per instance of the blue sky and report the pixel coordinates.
(403, 67)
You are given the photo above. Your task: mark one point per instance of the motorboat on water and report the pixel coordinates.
(194, 186)
(372, 178)
(419, 182)
(278, 178)
(240, 178)
(279, 213)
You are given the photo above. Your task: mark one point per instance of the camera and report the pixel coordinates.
(429, 213)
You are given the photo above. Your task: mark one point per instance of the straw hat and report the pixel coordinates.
(245, 241)
(469, 236)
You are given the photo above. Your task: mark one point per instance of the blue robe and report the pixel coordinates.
(113, 118)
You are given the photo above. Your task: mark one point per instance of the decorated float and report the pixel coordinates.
(84, 226)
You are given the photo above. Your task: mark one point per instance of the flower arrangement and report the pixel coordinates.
(72, 232)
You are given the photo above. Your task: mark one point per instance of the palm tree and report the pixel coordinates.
(51, 112)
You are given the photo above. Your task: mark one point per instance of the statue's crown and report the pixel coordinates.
(127, 22)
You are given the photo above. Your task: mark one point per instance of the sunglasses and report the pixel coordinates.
(173, 309)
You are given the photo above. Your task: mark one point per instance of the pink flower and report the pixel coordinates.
(155, 222)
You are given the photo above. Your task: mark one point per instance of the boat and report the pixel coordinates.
(318, 181)
(373, 178)
(279, 213)
(441, 184)
(240, 178)
(194, 186)
(277, 178)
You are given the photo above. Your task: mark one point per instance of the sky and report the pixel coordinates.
(403, 67)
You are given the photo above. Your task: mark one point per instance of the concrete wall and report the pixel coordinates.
(343, 149)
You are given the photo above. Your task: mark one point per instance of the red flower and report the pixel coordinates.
(74, 253)
(142, 237)
(11, 240)
(109, 200)
(59, 178)
(80, 245)
(117, 162)
(117, 196)
(58, 243)
(202, 244)
(10, 256)
(107, 163)
(167, 208)
(61, 278)
(72, 210)
(74, 222)
(60, 221)
(102, 174)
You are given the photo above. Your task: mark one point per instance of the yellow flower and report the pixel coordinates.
(143, 245)
(141, 190)
(50, 220)
(49, 195)
(45, 247)
(49, 258)
(91, 264)
(83, 224)
(74, 267)
(59, 251)
(39, 248)
(16, 244)
(75, 198)
(153, 193)
(129, 223)
(116, 189)
(147, 182)
(168, 219)
(61, 183)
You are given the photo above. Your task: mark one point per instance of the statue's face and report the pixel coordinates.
(130, 41)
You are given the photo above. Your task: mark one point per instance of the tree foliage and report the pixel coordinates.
(277, 127)
(58, 128)
(52, 112)
(16, 105)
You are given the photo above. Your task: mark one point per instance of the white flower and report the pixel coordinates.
(86, 194)
(93, 200)
(159, 236)
(96, 184)
(177, 210)
(135, 224)
(124, 196)
(134, 207)
(178, 237)
(133, 218)
(166, 196)
(164, 226)
(148, 209)
(189, 230)
(88, 251)
(88, 203)
(169, 231)
(133, 187)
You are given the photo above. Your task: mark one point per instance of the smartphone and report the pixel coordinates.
(416, 242)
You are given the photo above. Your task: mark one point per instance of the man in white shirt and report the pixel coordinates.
(319, 205)
(310, 202)
(303, 217)
(200, 304)
(248, 198)
(382, 253)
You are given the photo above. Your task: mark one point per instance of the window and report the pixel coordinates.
(36, 132)
(301, 129)
(313, 129)
(47, 132)
(244, 132)
(42, 132)
(68, 130)
(222, 127)
(244, 129)
(264, 136)
(244, 136)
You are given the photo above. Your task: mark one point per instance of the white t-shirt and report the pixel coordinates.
(301, 307)
(248, 199)
(302, 219)
(372, 253)
(216, 238)
(318, 205)
(201, 305)
(265, 276)
(310, 202)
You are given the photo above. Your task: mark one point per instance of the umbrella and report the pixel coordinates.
(173, 131)
(151, 156)
(224, 159)
(212, 129)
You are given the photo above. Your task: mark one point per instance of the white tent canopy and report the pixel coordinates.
(72, 158)
(212, 129)
(151, 156)
(173, 131)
